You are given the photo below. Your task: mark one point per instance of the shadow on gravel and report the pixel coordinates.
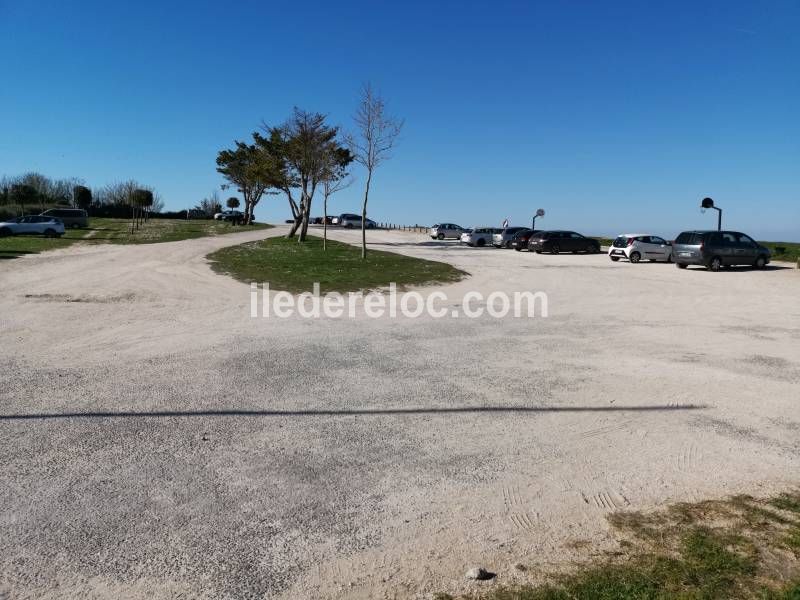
(345, 412)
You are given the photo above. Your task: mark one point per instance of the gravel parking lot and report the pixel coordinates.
(157, 442)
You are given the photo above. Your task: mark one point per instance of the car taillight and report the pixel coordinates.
(630, 241)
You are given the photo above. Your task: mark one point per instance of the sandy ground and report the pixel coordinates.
(356, 473)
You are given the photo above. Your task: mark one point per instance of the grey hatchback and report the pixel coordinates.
(71, 217)
(717, 249)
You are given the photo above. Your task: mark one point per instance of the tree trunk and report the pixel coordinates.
(364, 217)
(325, 222)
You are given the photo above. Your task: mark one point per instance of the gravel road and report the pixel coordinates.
(157, 442)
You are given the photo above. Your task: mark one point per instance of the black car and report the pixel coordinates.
(520, 240)
(555, 242)
(717, 249)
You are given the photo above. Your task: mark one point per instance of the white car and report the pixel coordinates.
(33, 225)
(228, 215)
(640, 246)
(480, 236)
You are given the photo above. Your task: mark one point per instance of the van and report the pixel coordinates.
(717, 249)
(71, 217)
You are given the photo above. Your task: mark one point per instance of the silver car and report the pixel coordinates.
(33, 225)
(348, 221)
(449, 231)
(503, 239)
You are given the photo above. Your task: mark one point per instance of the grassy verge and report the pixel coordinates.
(117, 231)
(740, 548)
(786, 251)
(294, 267)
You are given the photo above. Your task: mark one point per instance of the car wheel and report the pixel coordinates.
(480, 243)
(761, 262)
(440, 236)
(555, 249)
(635, 257)
(348, 226)
(508, 245)
(75, 226)
(681, 265)
(614, 258)
(538, 251)
(518, 249)
(50, 233)
(5, 231)
(715, 264)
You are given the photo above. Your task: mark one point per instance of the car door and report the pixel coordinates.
(728, 248)
(657, 247)
(746, 250)
(26, 226)
(574, 242)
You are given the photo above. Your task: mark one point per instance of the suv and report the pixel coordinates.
(480, 236)
(717, 249)
(562, 241)
(348, 221)
(446, 230)
(71, 217)
(33, 225)
(638, 246)
(520, 240)
(503, 239)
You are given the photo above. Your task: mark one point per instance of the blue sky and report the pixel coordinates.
(610, 116)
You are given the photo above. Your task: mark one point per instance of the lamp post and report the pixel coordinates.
(709, 203)
(539, 213)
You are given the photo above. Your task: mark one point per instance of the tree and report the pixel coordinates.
(251, 170)
(140, 198)
(304, 148)
(377, 133)
(23, 194)
(210, 206)
(82, 197)
(232, 203)
(334, 179)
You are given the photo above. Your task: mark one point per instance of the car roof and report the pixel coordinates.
(635, 234)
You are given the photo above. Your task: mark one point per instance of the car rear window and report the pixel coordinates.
(690, 238)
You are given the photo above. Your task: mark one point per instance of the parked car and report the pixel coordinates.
(33, 225)
(520, 240)
(348, 221)
(504, 237)
(555, 242)
(70, 217)
(442, 231)
(640, 246)
(479, 236)
(717, 249)
(229, 215)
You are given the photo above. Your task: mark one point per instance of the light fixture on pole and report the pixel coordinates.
(709, 203)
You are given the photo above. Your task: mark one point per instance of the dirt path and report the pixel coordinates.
(357, 459)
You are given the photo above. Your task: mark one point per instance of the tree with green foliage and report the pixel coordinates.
(82, 197)
(232, 203)
(304, 147)
(377, 133)
(251, 170)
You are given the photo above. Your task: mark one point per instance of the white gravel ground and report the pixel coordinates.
(356, 473)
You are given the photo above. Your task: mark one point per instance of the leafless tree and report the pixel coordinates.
(376, 134)
(331, 183)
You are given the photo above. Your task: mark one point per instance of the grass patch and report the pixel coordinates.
(786, 251)
(117, 231)
(294, 267)
(740, 548)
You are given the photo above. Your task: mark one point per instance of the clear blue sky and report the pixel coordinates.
(611, 116)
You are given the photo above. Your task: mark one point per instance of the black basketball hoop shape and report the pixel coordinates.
(539, 213)
(709, 203)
